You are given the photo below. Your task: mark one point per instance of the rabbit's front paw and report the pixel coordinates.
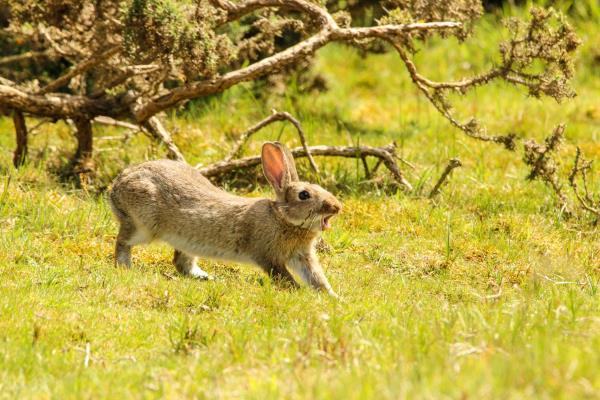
(199, 273)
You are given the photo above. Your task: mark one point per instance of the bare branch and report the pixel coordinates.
(366, 167)
(586, 200)
(158, 132)
(452, 164)
(237, 10)
(55, 105)
(385, 154)
(40, 123)
(470, 128)
(29, 55)
(281, 60)
(79, 69)
(115, 122)
(276, 116)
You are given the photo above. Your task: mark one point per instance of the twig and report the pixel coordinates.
(7, 82)
(25, 56)
(552, 142)
(55, 46)
(115, 122)
(109, 138)
(403, 161)
(470, 128)
(79, 69)
(586, 200)
(126, 73)
(452, 164)
(558, 282)
(385, 154)
(40, 123)
(494, 296)
(158, 132)
(276, 116)
(376, 167)
(88, 353)
(366, 167)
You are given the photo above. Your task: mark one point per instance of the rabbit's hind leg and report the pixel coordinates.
(186, 265)
(129, 235)
(123, 248)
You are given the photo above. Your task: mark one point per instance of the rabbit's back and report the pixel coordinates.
(172, 201)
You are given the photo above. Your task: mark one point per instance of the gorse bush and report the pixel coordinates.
(161, 30)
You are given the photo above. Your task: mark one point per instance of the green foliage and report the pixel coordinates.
(49, 12)
(164, 29)
(547, 42)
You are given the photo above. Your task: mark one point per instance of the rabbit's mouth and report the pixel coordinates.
(325, 224)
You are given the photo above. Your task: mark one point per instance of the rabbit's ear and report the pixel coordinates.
(291, 165)
(275, 167)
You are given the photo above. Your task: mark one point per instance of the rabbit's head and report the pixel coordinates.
(301, 204)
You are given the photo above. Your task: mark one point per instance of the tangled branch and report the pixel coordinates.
(534, 42)
(539, 158)
(331, 32)
(586, 200)
(386, 154)
(275, 116)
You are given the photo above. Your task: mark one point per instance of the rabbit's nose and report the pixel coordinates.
(332, 206)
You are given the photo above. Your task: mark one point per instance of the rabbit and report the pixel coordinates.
(173, 202)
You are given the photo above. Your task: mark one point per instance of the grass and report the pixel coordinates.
(485, 293)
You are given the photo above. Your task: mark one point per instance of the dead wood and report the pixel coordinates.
(276, 116)
(29, 55)
(452, 164)
(329, 33)
(159, 133)
(103, 120)
(386, 154)
(585, 199)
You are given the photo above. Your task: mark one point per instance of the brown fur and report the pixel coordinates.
(171, 201)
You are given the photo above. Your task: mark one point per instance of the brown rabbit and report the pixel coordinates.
(173, 202)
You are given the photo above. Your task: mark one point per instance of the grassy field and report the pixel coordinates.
(487, 292)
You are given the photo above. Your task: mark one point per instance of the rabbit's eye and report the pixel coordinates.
(304, 195)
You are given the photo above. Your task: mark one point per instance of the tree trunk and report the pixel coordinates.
(20, 153)
(82, 162)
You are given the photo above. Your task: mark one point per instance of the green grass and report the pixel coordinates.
(485, 293)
